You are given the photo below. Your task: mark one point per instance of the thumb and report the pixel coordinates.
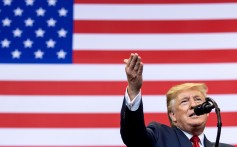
(125, 61)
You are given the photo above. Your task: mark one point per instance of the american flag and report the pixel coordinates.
(62, 72)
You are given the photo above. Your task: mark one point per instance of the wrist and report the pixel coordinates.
(132, 92)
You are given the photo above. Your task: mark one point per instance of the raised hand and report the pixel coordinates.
(134, 68)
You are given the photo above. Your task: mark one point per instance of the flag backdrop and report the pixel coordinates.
(62, 76)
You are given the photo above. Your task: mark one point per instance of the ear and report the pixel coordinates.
(173, 117)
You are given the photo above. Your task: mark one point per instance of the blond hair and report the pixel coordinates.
(175, 90)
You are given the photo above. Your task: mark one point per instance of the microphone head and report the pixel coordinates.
(203, 108)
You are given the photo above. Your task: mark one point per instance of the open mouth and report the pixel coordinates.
(193, 114)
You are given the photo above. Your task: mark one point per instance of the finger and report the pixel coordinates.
(130, 59)
(140, 69)
(133, 61)
(125, 61)
(136, 67)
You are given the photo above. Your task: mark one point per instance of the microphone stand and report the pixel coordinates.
(219, 123)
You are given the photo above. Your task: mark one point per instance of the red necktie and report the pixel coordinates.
(195, 141)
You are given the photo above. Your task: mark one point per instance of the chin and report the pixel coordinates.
(197, 123)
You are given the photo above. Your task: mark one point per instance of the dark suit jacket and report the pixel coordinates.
(135, 134)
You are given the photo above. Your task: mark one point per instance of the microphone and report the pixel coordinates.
(203, 108)
(206, 107)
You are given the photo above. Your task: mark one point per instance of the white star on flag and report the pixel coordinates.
(62, 33)
(29, 22)
(29, 2)
(52, 2)
(39, 54)
(17, 32)
(62, 12)
(50, 43)
(5, 43)
(7, 2)
(51, 22)
(16, 54)
(39, 33)
(61, 54)
(6, 22)
(28, 43)
(40, 12)
(18, 12)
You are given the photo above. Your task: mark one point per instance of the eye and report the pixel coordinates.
(184, 101)
(198, 99)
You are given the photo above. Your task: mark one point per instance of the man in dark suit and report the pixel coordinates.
(186, 128)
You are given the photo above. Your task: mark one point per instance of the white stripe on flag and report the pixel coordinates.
(155, 11)
(111, 72)
(94, 104)
(155, 41)
(226, 134)
(85, 137)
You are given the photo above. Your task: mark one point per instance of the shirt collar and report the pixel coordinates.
(201, 136)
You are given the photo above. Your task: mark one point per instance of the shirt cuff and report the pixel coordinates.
(135, 103)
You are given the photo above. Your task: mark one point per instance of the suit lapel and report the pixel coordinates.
(183, 139)
(207, 143)
(185, 142)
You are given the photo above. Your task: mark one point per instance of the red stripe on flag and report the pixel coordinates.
(103, 87)
(70, 146)
(190, 26)
(61, 146)
(150, 1)
(181, 56)
(88, 120)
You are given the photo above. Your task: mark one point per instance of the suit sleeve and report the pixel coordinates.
(132, 127)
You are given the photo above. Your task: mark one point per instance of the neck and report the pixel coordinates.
(194, 130)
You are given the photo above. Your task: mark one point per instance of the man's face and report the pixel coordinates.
(183, 113)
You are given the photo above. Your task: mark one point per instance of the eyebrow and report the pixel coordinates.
(187, 97)
(193, 96)
(183, 98)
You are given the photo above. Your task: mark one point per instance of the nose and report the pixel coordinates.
(192, 103)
